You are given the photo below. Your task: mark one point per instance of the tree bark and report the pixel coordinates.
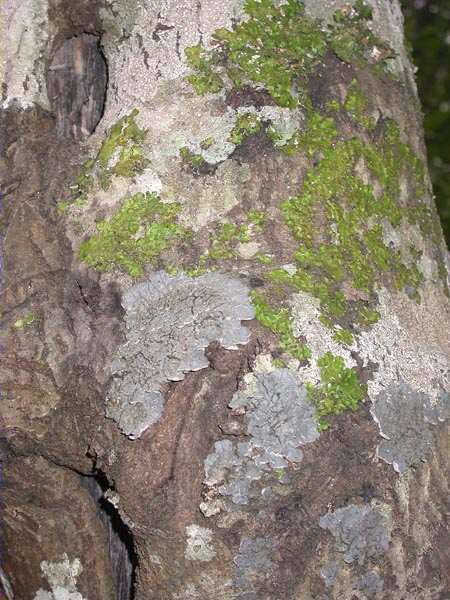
(225, 305)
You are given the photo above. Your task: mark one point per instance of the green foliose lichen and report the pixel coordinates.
(138, 232)
(339, 389)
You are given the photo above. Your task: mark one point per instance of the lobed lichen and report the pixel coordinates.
(170, 322)
(138, 232)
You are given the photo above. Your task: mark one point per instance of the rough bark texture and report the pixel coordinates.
(225, 315)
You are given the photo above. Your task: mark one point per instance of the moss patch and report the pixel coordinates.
(339, 389)
(120, 155)
(276, 47)
(137, 234)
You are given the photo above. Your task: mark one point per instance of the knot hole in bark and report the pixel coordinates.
(77, 82)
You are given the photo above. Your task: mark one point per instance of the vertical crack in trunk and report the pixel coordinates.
(121, 547)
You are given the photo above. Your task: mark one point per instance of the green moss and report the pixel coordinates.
(368, 316)
(279, 322)
(203, 63)
(121, 152)
(356, 106)
(276, 47)
(120, 155)
(353, 251)
(138, 232)
(264, 259)
(26, 321)
(246, 124)
(343, 336)
(333, 106)
(257, 218)
(190, 158)
(352, 40)
(339, 388)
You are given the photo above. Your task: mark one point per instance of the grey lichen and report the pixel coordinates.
(279, 418)
(62, 579)
(371, 584)
(278, 421)
(404, 416)
(329, 572)
(253, 562)
(361, 532)
(170, 322)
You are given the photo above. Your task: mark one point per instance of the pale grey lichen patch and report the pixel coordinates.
(170, 322)
(62, 579)
(279, 420)
(319, 339)
(24, 30)
(404, 416)
(199, 544)
(371, 584)
(6, 585)
(329, 572)
(361, 532)
(407, 344)
(253, 562)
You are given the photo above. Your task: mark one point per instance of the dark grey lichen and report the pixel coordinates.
(329, 572)
(371, 584)
(404, 417)
(279, 420)
(252, 563)
(361, 532)
(170, 321)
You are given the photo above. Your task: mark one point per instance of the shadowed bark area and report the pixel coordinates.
(224, 358)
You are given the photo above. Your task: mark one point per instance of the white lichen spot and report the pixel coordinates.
(62, 578)
(247, 250)
(199, 544)
(170, 322)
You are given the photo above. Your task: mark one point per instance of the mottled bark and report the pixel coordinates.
(225, 314)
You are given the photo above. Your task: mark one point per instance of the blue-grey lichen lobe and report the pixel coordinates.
(254, 561)
(329, 572)
(404, 417)
(371, 584)
(170, 321)
(361, 532)
(279, 420)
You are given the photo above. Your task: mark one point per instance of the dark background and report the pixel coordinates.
(427, 24)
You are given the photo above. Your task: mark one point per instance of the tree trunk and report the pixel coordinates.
(225, 351)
